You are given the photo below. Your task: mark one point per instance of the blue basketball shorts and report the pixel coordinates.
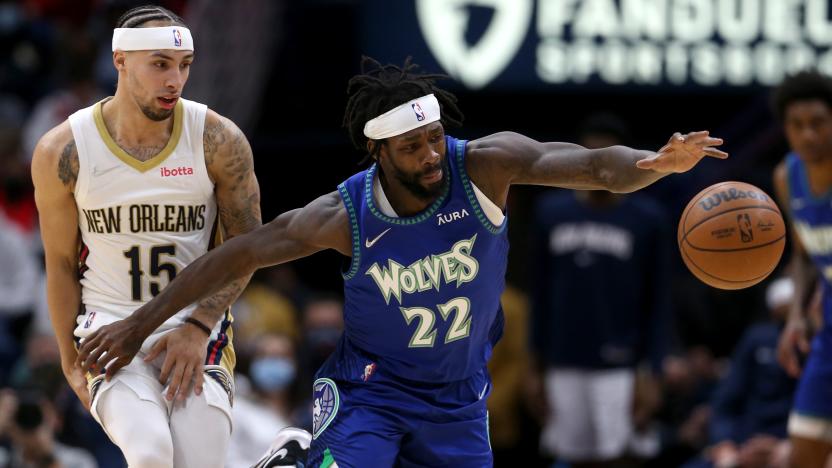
(384, 422)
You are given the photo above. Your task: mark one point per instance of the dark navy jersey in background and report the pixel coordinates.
(422, 294)
(601, 276)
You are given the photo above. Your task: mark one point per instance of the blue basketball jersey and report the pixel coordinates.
(422, 294)
(812, 218)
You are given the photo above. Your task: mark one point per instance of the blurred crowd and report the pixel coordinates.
(613, 354)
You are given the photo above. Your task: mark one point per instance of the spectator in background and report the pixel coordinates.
(28, 43)
(17, 199)
(323, 323)
(752, 402)
(263, 309)
(508, 369)
(39, 371)
(29, 421)
(76, 88)
(601, 303)
(689, 380)
(18, 275)
(264, 409)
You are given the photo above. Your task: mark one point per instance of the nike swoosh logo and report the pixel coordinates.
(482, 393)
(282, 453)
(369, 243)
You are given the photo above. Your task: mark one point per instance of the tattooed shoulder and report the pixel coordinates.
(213, 137)
(68, 164)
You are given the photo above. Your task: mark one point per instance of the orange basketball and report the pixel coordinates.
(731, 235)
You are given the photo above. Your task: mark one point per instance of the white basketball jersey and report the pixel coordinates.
(141, 222)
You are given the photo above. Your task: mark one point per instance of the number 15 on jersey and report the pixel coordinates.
(157, 267)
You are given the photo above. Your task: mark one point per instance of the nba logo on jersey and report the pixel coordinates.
(420, 114)
(177, 38)
(368, 371)
(325, 405)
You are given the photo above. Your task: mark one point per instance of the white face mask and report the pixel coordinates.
(272, 374)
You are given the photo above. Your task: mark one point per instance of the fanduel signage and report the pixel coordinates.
(612, 42)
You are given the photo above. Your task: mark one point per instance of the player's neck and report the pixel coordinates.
(127, 123)
(404, 203)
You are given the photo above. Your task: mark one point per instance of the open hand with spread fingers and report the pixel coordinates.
(683, 152)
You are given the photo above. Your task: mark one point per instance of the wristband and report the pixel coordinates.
(198, 324)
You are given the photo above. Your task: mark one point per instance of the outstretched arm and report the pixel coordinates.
(498, 161)
(231, 167)
(322, 224)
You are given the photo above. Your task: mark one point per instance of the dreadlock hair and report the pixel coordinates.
(379, 88)
(136, 17)
(802, 86)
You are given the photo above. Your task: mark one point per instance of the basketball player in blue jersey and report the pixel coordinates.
(424, 229)
(129, 191)
(803, 182)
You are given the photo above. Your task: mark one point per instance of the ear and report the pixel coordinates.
(118, 60)
(371, 147)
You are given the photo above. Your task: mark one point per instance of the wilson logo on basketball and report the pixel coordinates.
(716, 199)
(176, 171)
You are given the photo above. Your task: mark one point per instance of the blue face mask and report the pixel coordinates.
(272, 374)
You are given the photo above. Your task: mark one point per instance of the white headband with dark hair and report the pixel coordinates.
(165, 37)
(403, 118)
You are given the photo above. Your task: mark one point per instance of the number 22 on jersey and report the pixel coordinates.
(425, 333)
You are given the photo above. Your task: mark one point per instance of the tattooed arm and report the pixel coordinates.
(54, 173)
(230, 166)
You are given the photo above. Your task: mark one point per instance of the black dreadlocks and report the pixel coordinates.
(380, 88)
(135, 17)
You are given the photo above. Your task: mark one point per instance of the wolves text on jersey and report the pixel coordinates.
(456, 265)
(146, 218)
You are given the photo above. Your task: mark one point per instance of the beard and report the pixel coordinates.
(147, 109)
(155, 115)
(413, 184)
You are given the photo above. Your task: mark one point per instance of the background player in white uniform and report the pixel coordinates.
(145, 176)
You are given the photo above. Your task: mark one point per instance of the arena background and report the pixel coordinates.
(279, 69)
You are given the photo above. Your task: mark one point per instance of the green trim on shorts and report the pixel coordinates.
(328, 460)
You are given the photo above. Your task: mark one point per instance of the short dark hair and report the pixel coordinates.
(802, 86)
(136, 17)
(380, 88)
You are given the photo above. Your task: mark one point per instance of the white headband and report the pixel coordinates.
(404, 118)
(166, 37)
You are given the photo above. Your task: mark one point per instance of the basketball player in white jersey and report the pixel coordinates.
(131, 190)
